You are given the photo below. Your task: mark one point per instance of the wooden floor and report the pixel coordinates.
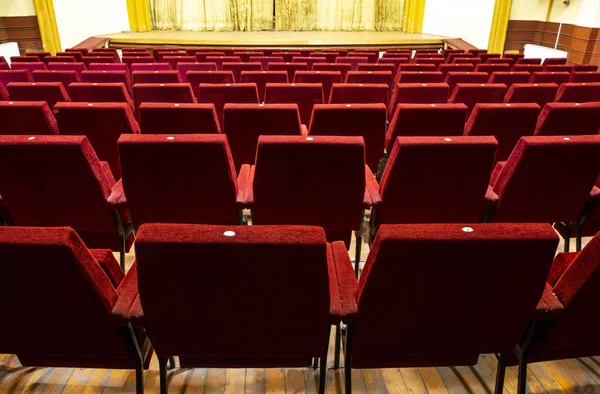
(565, 376)
(274, 38)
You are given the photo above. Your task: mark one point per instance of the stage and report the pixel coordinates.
(275, 38)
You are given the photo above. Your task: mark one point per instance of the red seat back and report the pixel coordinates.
(474, 93)
(418, 93)
(238, 68)
(100, 93)
(219, 60)
(8, 76)
(578, 92)
(290, 68)
(87, 60)
(31, 67)
(550, 77)
(555, 60)
(77, 67)
(265, 60)
(108, 67)
(419, 77)
(446, 68)
(261, 78)
(569, 119)
(195, 78)
(540, 94)
(178, 118)
(162, 93)
(531, 68)
(535, 61)
(509, 77)
(221, 94)
(26, 118)
(183, 68)
(585, 76)
(64, 77)
(490, 68)
(341, 67)
(359, 93)
(149, 67)
(455, 77)
(325, 78)
(305, 95)
(309, 60)
(50, 92)
(170, 76)
(105, 76)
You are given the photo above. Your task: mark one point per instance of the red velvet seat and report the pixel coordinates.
(467, 60)
(245, 123)
(558, 68)
(305, 95)
(77, 67)
(329, 56)
(27, 118)
(372, 54)
(419, 77)
(550, 77)
(546, 179)
(450, 59)
(426, 120)
(86, 324)
(436, 61)
(261, 78)
(184, 118)
(288, 56)
(486, 56)
(100, 93)
(416, 67)
(4, 65)
(62, 59)
(219, 60)
(87, 60)
(501, 60)
(507, 122)
(175, 60)
(195, 78)
(477, 52)
(8, 76)
(309, 60)
(325, 78)
(265, 60)
(455, 77)
(83, 51)
(341, 67)
(437, 262)
(76, 55)
(364, 120)
(101, 123)
(369, 77)
(535, 61)
(202, 55)
(290, 68)
(540, 94)
(107, 77)
(509, 77)
(569, 119)
(184, 68)
(238, 68)
(359, 93)
(307, 285)
(353, 61)
(396, 62)
(584, 76)
(378, 67)
(149, 67)
(491, 68)
(38, 191)
(531, 68)
(554, 60)
(514, 56)
(193, 182)
(129, 60)
(160, 55)
(64, 77)
(170, 76)
(111, 66)
(585, 67)
(474, 93)
(578, 92)
(221, 94)
(446, 68)
(162, 93)
(418, 93)
(50, 92)
(447, 52)
(3, 93)
(245, 55)
(25, 59)
(31, 67)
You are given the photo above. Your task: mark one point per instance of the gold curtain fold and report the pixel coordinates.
(46, 18)
(252, 15)
(139, 15)
(389, 15)
(296, 15)
(499, 26)
(196, 15)
(414, 13)
(345, 15)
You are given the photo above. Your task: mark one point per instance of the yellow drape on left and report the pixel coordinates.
(414, 13)
(499, 26)
(139, 15)
(47, 24)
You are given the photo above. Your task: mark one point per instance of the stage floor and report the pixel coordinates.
(274, 38)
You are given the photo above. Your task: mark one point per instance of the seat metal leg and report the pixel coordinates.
(358, 252)
(323, 364)
(500, 372)
(162, 363)
(578, 240)
(172, 362)
(338, 340)
(522, 384)
(348, 358)
(139, 379)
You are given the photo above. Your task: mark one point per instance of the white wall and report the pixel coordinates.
(17, 8)
(580, 12)
(529, 10)
(80, 19)
(470, 20)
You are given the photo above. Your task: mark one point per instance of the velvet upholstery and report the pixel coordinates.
(534, 61)
(238, 68)
(329, 56)
(585, 67)
(578, 92)
(87, 60)
(446, 68)
(325, 78)
(509, 77)
(305, 95)
(100, 93)
(418, 93)
(474, 93)
(3, 93)
(8, 76)
(129, 60)
(288, 67)
(50, 92)
(62, 59)
(193, 182)
(370, 77)
(109, 66)
(37, 191)
(555, 60)
(245, 55)
(376, 67)
(65, 326)
(309, 60)
(244, 123)
(365, 120)
(539, 93)
(550, 77)
(149, 67)
(439, 261)
(101, 123)
(507, 122)
(436, 61)
(585, 76)
(341, 67)
(64, 77)
(183, 68)
(77, 67)
(501, 60)
(265, 60)
(240, 274)
(359, 93)
(455, 77)
(174, 60)
(261, 78)
(546, 179)
(558, 68)
(436, 180)
(453, 56)
(27, 118)
(202, 55)
(426, 120)
(416, 67)
(531, 68)
(76, 55)
(491, 68)
(221, 94)
(25, 59)
(569, 119)
(162, 93)
(353, 61)
(219, 60)
(176, 118)
(419, 76)
(106, 76)
(170, 76)
(31, 67)
(288, 56)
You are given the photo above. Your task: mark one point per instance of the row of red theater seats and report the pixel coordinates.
(550, 305)
(103, 123)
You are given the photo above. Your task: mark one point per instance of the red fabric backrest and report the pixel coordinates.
(63, 59)
(509, 77)
(507, 122)
(64, 77)
(8, 76)
(490, 68)
(202, 55)
(305, 95)
(105, 76)
(31, 67)
(531, 68)
(540, 94)
(535, 61)
(319, 179)
(193, 182)
(585, 76)
(149, 67)
(426, 120)
(357, 93)
(245, 56)
(174, 60)
(3, 93)
(50, 92)
(436, 61)
(107, 67)
(38, 191)
(555, 60)
(183, 68)
(378, 77)
(558, 68)
(170, 76)
(578, 92)
(436, 179)
(550, 77)
(287, 56)
(25, 59)
(446, 68)
(501, 60)
(467, 60)
(416, 67)
(452, 56)
(265, 60)
(255, 254)
(325, 78)
(432, 262)
(474, 93)
(101, 123)
(244, 123)
(547, 179)
(419, 77)
(569, 119)
(178, 118)
(309, 60)
(364, 120)
(455, 77)
(376, 67)
(76, 55)
(290, 68)
(162, 93)
(100, 93)
(27, 118)
(261, 78)
(50, 321)
(237, 68)
(585, 67)
(418, 93)
(219, 60)
(341, 67)
(328, 55)
(221, 94)
(77, 67)
(195, 78)
(129, 60)
(87, 60)
(160, 55)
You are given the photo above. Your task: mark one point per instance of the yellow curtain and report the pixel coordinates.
(139, 15)
(296, 15)
(47, 24)
(414, 13)
(499, 26)
(193, 15)
(252, 15)
(389, 15)
(346, 15)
